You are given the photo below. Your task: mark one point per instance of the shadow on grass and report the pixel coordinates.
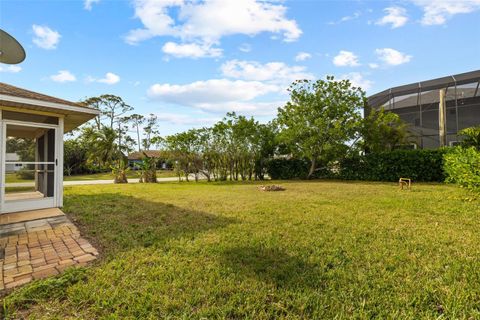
(274, 266)
(116, 222)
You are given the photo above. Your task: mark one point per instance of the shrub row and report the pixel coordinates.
(419, 165)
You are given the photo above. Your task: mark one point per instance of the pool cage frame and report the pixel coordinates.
(435, 110)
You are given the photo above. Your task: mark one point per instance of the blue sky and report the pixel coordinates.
(190, 62)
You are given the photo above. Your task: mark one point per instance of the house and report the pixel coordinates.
(135, 158)
(39, 122)
(436, 110)
(12, 164)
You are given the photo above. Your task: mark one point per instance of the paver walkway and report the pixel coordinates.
(40, 248)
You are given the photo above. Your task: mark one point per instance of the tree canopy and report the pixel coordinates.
(320, 118)
(321, 123)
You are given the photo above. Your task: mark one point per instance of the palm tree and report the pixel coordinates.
(102, 145)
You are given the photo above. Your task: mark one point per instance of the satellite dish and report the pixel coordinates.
(11, 51)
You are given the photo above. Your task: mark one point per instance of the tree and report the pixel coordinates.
(471, 137)
(111, 107)
(23, 147)
(119, 170)
(75, 157)
(266, 147)
(148, 169)
(126, 143)
(137, 120)
(102, 146)
(150, 131)
(184, 149)
(382, 131)
(320, 118)
(96, 103)
(234, 148)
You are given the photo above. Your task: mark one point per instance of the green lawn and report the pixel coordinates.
(13, 178)
(319, 250)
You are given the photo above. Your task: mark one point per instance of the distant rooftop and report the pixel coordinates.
(149, 153)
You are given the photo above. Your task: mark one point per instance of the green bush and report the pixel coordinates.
(25, 174)
(419, 165)
(285, 169)
(462, 166)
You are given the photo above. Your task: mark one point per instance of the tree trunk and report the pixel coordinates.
(121, 178)
(313, 166)
(138, 138)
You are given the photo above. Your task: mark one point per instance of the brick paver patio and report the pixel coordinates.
(40, 248)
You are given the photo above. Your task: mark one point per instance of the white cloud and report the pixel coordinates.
(206, 22)
(45, 37)
(392, 57)
(245, 47)
(248, 87)
(10, 69)
(110, 78)
(373, 65)
(63, 76)
(358, 80)
(191, 50)
(214, 90)
(89, 3)
(302, 56)
(396, 17)
(346, 58)
(354, 16)
(216, 95)
(182, 119)
(437, 12)
(272, 72)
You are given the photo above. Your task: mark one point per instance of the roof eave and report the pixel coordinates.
(53, 105)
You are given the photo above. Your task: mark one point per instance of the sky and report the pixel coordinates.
(191, 61)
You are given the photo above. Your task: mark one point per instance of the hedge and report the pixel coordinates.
(419, 165)
(285, 169)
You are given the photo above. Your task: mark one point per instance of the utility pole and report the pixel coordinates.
(442, 118)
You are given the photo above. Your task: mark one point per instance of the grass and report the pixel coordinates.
(19, 189)
(13, 178)
(319, 250)
(132, 174)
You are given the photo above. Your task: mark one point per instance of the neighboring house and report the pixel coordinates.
(435, 110)
(12, 167)
(135, 158)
